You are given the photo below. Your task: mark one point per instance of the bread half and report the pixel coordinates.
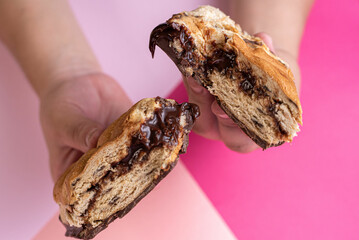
(132, 155)
(252, 85)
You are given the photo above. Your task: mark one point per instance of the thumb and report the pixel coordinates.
(266, 39)
(83, 133)
(206, 124)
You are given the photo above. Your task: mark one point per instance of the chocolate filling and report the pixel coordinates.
(221, 60)
(163, 129)
(164, 34)
(224, 61)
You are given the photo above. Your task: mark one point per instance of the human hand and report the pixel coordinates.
(75, 112)
(214, 123)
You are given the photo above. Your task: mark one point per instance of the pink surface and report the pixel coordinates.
(118, 32)
(24, 173)
(308, 189)
(176, 209)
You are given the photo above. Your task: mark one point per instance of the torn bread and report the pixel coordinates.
(132, 155)
(252, 85)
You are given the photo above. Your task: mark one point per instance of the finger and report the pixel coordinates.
(81, 133)
(266, 39)
(206, 124)
(61, 159)
(232, 136)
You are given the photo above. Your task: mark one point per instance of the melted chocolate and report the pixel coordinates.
(164, 34)
(163, 129)
(248, 82)
(221, 60)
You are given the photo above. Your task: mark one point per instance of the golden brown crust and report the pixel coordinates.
(207, 24)
(132, 155)
(260, 55)
(252, 85)
(63, 191)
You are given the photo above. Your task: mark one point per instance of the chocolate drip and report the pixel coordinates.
(165, 33)
(223, 61)
(163, 129)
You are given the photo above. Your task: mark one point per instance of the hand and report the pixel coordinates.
(75, 112)
(214, 123)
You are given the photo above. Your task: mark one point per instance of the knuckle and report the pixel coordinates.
(77, 133)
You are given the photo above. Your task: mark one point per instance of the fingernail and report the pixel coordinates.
(195, 87)
(90, 137)
(218, 111)
(220, 115)
(267, 40)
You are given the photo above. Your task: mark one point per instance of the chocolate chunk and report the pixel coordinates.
(164, 34)
(258, 124)
(221, 60)
(248, 82)
(88, 232)
(162, 129)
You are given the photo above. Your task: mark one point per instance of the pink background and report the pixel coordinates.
(176, 209)
(305, 190)
(308, 189)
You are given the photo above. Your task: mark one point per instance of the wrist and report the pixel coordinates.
(281, 19)
(47, 42)
(64, 75)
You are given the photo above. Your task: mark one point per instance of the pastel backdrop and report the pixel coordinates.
(305, 190)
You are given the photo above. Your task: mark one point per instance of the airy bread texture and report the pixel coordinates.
(132, 155)
(251, 84)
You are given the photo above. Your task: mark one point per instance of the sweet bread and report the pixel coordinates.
(251, 84)
(132, 155)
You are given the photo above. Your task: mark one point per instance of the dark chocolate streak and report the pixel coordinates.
(165, 33)
(263, 144)
(220, 60)
(89, 232)
(163, 129)
(273, 108)
(223, 61)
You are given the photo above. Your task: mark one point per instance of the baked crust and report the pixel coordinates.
(141, 147)
(210, 47)
(131, 120)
